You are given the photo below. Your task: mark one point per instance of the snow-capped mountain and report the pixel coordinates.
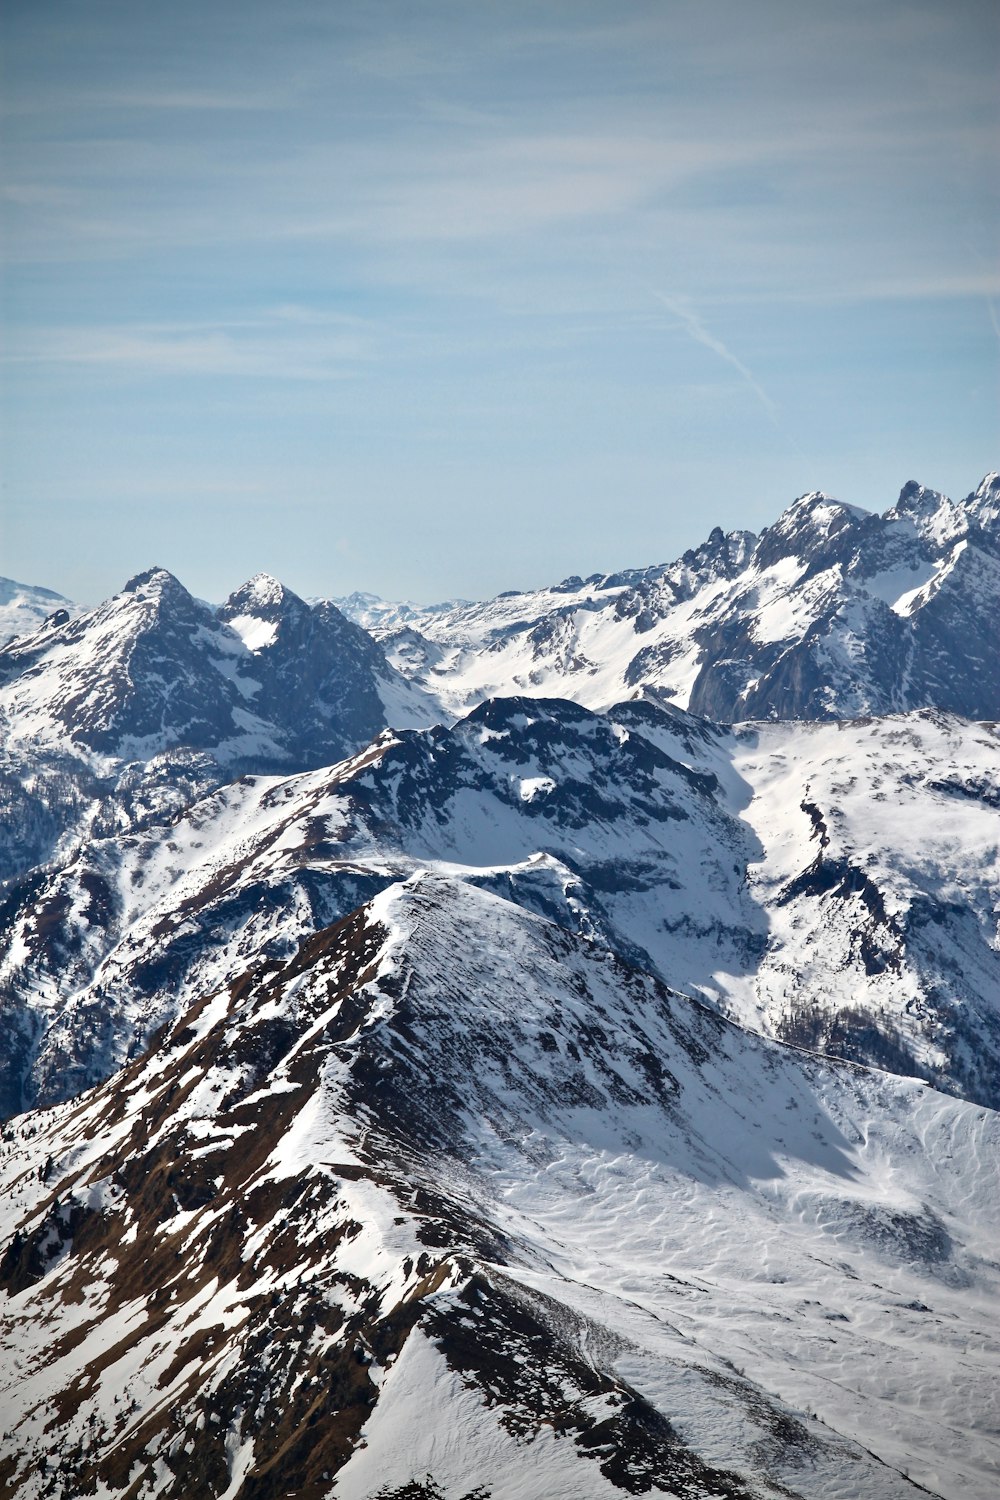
(551, 1050)
(452, 1203)
(836, 885)
(24, 607)
(831, 612)
(264, 678)
(109, 715)
(381, 615)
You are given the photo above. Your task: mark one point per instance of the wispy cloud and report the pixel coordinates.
(285, 343)
(423, 237)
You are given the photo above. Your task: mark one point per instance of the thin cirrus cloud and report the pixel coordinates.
(414, 246)
(289, 342)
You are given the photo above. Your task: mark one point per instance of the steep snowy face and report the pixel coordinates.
(571, 814)
(833, 884)
(452, 1202)
(831, 612)
(153, 677)
(983, 506)
(24, 608)
(880, 876)
(266, 677)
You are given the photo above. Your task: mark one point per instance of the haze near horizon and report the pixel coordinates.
(465, 299)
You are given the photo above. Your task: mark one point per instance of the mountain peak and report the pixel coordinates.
(917, 500)
(258, 607)
(263, 593)
(266, 589)
(154, 582)
(819, 503)
(807, 528)
(984, 503)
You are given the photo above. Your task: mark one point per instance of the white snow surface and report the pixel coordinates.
(594, 640)
(24, 607)
(792, 1260)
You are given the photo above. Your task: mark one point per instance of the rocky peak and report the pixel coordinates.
(917, 499)
(984, 503)
(153, 600)
(263, 598)
(812, 530)
(155, 583)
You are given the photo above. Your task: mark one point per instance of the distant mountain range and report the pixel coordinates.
(23, 608)
(540, 1048)
(832, 612)
(119, 714)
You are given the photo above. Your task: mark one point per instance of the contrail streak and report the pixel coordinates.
(693, 326)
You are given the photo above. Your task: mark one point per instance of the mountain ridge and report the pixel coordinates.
(463, 1260)
(105, 713)
(832, 611)
(831, 884)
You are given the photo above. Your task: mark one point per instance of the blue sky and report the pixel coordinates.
(445, 299)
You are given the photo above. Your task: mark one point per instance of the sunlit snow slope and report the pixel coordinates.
(453, 1198)
(836, 885)
(24, 607)
(831, 612)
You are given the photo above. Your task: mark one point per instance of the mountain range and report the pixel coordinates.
(545, 1047)
(832, 612)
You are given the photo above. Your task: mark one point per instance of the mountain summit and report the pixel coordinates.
(831, 612)
(109, 714)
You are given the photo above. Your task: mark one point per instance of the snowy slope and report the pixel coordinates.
(567, 812)
(24, 607)
(126, 707)
(881, 879)
(537, 1105)
(454, 1200)
(836, 885)
(831, 612)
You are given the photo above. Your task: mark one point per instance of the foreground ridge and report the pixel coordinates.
(453, 1200)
